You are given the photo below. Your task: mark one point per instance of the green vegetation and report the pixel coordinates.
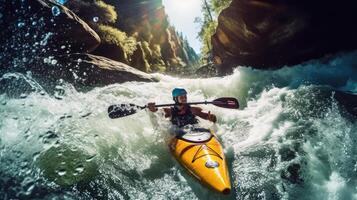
(211, 10)
(87, 10)
(219, 5)
(147, 43)
(207, 31)
(112, 35)
(105, 26)
(109, 14)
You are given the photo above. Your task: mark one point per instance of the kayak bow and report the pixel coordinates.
(202, 155)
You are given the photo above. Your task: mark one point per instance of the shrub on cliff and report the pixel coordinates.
(109, 14)
(102, 17)
(113, 35)
(88, 10)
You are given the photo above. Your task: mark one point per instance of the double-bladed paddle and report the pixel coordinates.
(122, 110)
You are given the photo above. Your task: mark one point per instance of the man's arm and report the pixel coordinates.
(208, 116)
(152, 108)
(167, 112)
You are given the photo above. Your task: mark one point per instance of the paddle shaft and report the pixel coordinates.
(191, 103)
(122, 110)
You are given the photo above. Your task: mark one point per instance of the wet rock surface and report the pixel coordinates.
(272, 34)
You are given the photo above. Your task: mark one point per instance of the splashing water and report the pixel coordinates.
(291, 139)
(45, 39)
(95, 19)
(55, 11)
(62, 2)
(21, 24)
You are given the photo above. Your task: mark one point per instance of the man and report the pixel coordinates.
(183, 114)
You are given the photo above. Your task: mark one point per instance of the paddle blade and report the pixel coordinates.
(122, 110)
(226, 102)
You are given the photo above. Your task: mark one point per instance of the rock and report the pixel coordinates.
(148, 22)
(42, 27)
(138, 60)
(154, 57)
(271, 34)
(112, 51)
(168, 46)
(182, 49)
(206, 71)
(193, 58)
(173, 62)
(87, 70)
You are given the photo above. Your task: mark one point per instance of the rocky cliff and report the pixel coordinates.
(275, 33)
(51, 42)
(148, 20)
(159, 47)
(52, 39)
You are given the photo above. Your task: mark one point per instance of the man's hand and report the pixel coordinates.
(211, 117)
(208, 116)
(151, 107)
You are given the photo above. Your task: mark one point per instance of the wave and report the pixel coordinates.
(292, 138)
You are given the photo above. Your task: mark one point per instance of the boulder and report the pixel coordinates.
(113, 51)
(148, 22)
(86, 70)
(39, 28)
(206, 71)
(275, 33)
(138, 59)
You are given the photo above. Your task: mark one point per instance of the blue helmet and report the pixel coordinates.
(178, 92)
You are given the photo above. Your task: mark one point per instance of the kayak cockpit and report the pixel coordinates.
(192, 133)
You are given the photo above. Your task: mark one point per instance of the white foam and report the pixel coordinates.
(135, 145)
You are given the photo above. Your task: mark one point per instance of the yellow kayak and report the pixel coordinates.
(200, 152)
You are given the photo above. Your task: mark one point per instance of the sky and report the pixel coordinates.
(182, 14)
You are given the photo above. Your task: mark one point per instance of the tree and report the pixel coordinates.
(209, 24)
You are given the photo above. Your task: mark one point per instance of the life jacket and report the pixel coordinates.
(182, 119)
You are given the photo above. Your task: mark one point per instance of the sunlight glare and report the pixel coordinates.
(182, 14)
(183, 6)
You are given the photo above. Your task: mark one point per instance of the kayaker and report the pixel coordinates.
(183, 114)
